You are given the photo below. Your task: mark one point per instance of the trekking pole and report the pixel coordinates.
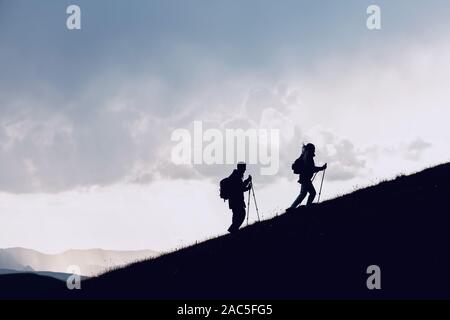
(248, 206)
(256, 206)
(321, 183)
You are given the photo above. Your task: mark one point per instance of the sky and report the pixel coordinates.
(87, 115)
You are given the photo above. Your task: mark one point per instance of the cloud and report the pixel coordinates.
(415, 149)
(345, 160)
(98, 107)
(411, 151)
(97, 146)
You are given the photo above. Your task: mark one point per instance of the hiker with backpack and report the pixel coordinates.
(306, 168)
(232, 189)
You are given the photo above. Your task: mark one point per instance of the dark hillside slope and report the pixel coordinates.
(403, 226)
(31, 286)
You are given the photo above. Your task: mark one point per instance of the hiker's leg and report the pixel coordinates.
(312, 193)
(238, 218)
(233, 221)
(300, 198)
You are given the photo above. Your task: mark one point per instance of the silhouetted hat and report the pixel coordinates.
(242, 165)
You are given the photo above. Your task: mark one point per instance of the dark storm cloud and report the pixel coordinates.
(98, 105)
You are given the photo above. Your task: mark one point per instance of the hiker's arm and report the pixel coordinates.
(248, 183)
(317, 169)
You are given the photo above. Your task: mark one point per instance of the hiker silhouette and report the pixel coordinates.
(306, 168)
(237, 186)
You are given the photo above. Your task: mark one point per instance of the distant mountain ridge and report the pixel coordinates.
(91, 261)
(56, 275)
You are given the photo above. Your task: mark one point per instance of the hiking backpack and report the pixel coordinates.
(298, 166)
(225, 188)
